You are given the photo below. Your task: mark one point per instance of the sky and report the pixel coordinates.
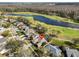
(39, 0)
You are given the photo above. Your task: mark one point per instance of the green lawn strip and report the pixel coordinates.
(58, 42)
(68, 32)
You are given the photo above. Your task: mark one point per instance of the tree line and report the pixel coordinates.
(62, 13)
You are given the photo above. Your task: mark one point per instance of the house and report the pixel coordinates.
(26, 28)
(2, 29)
(16, 23)
(2, 45)
(2, 40)
(36, 38)
(42, 40)
(12, 20)
(6, 19)
(54, 50)
(71, 52)
(4, 51)
(20, 25)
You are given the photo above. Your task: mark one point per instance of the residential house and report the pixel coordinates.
(71, 52)
(56, 52)
(2, 29)
(20, 25)
(2, 45)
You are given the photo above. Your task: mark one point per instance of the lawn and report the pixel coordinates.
(58, 42)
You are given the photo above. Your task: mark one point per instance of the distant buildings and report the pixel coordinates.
(72, 52)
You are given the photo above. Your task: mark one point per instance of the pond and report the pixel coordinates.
(48, 21)
(55, 22)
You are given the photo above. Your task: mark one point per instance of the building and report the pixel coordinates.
(2, 40)
(20, 25)
(71, 52)
(2, 45)
(56, 52)
(2, 29)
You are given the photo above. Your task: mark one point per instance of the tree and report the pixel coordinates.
(76, 40)
(6, 24)
(55, 33)
(76, 19)
(71, 14)
(61, 13)
(24, 20)
(40, 29)
(14, 46)
(6, 33)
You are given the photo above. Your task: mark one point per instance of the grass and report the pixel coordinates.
(58, 42)
(77, 46)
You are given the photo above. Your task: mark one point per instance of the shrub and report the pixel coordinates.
(40, 29)
(6, 33)
(24, 20)
(58, 42)
(6, 24)
(13, 45)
